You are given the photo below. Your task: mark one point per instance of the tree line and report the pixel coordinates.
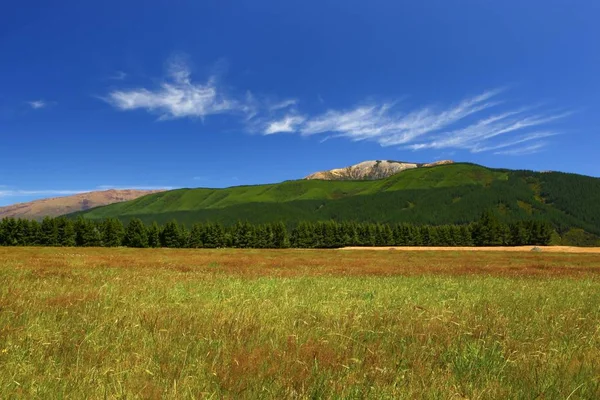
(111, 232)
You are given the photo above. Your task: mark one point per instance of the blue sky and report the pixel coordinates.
(221, 93)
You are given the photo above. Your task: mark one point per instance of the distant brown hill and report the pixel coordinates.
(56, 206)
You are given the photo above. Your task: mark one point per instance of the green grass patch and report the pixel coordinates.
(110, 330)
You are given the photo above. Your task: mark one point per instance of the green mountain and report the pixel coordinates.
(443, 194)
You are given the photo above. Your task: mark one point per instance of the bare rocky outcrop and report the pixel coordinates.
(369, 170)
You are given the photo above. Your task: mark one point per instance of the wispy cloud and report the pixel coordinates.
(4, 192)
(178, 96)
(287, 124)
(37, 104)
(474, 137)
(474, 124)
(484, 122)
(43, 192)
(522, 151)
(389, 126)
(522, 139)
(283, 104)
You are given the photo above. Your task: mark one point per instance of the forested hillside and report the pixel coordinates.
(446, 194)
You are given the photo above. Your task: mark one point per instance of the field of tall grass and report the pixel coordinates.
(160, 323)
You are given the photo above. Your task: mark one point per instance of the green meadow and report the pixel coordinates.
(161, 323)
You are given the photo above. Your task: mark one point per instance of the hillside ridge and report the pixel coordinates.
(60, 205)
(372, 169)
(456, 193)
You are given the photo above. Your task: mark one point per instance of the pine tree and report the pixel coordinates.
(518, 234)
(243, 235)
(65, 232)
(262, 239)
(214, 236)
(50, 232)
(184, 237)
(113, 232)
(35, 233)
(302, 236)
(466, 238)
(280, 236)
(196, 236)
(153, 234)
(488, 231)
(170, 235)
(136, 234)
(87, 233)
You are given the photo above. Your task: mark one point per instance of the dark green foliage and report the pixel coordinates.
(578, 237)
(49, 234)
(66, 232)
(280, 236)
(213, 236)
(136, 234)
(172, 235)
(487, 231)
(113, 232)
(87, 233)
(196, 237)
(153, 235)
(243, 235)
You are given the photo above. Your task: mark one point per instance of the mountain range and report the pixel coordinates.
(437, 193)
(446, 193)
(54, 207)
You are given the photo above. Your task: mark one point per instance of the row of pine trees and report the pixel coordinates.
(487, 231)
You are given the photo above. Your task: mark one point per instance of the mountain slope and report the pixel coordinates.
(454, 193)
(369, 170)
(56, 206)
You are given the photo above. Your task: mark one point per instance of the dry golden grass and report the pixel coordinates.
(127, 323)
(304, 262)
(502, 249)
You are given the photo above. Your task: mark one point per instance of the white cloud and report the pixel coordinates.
(479, 123)
(287, 124)
(473, 137)
(37, 104)
(361, 123)
(177, 97)
(283, 104)
(427, 127)
(522, 151)
(388, 126)
(522, 139)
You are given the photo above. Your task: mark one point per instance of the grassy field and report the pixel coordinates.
(126, 323)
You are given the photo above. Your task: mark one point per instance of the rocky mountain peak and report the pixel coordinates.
(373, 169)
